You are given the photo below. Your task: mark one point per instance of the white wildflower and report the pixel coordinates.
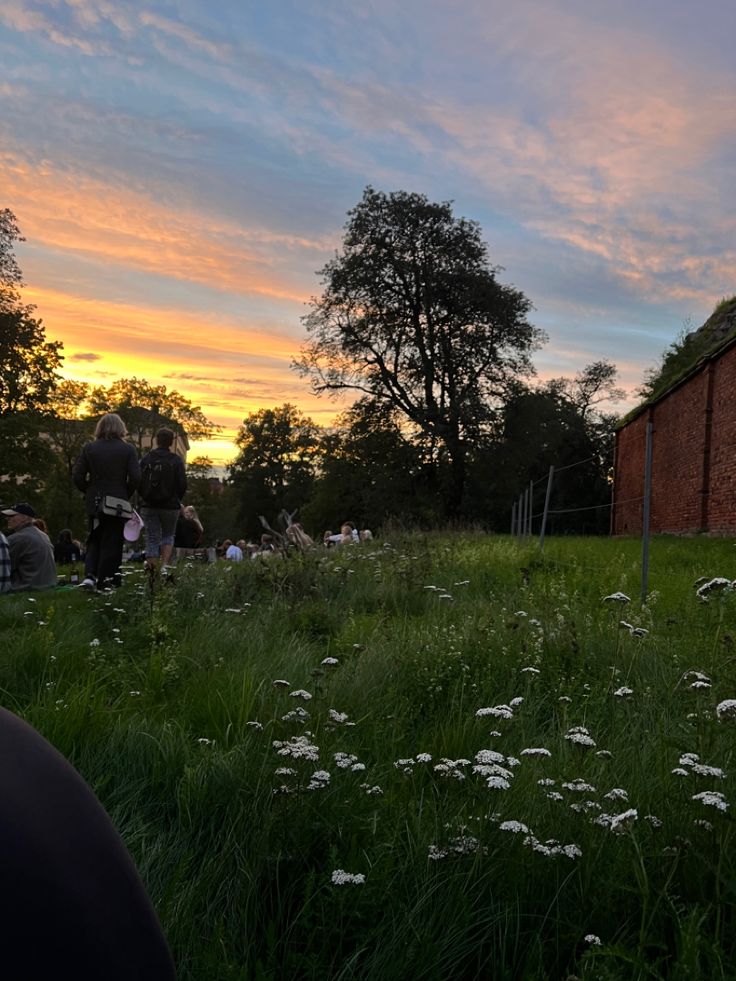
(619, 822)
(298, 747)
(618, 793)
(580, 736)
(498, 711)
(712, 585)
(712, 798)
(320, 779)
(592, 939)
(617, 598)
(623, 692)
(342, 878)
(300, 693)
(535, 751)
(726, 709)
(515, 827)
(579, 785)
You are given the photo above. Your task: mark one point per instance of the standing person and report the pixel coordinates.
(4, 564)
(163, 484)
(106, 466)
(32, 563)
(188, 535)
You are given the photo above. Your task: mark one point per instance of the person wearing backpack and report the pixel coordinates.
(163, 485)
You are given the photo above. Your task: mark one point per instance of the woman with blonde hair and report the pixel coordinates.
(108, 466)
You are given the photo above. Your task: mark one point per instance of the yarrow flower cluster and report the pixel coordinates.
(726, 710)
(580, 736)
(714, 585)
(490, 765)
(298, 748)
(712, 798)
(616, 598)
(620, 822)
(690, 762)
(342, 878)
(451, 769)
(497, 711)
(462, 845)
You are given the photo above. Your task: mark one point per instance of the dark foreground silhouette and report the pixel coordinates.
(72, 903)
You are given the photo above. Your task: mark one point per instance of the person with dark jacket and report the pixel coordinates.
(72, 903)
(163, 485)
(106, 466)
(66, 550)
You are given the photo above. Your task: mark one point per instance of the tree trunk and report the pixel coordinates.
(453, 497)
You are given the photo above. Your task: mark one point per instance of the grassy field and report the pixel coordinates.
(443, 757)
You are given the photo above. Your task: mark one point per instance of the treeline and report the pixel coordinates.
(370, 469)
(448, 426)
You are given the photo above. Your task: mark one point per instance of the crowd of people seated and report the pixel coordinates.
(108, 473)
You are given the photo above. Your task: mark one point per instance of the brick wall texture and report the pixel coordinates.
(693, 456)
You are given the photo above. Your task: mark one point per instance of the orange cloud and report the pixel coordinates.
(74, 213)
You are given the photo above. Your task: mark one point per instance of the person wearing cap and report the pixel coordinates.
(106, 466)
(32, 563)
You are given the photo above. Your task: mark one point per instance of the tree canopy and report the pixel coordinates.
(28, 362)
(278, 451)
(147, 407)
(412, 313)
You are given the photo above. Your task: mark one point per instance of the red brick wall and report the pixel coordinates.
(722, 501)
(693, 457)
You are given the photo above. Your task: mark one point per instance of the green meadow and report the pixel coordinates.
(437, 757)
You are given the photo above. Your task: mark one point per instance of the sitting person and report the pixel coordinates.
(32, 563)
(348, 535)
(66, 550)
(188, 534)
(298, 537)
(233, 553)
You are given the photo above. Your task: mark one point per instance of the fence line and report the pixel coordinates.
(523, 515)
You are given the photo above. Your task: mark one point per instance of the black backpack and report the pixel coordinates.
(158, 479)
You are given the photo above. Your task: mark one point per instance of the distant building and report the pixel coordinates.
(693, 454)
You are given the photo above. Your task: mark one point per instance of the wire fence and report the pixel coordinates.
(523, 514)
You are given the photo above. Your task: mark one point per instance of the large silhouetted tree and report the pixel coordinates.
(412, 313)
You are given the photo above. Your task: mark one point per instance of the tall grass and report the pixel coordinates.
(165, 701)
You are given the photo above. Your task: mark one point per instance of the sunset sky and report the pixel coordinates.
(182, 169)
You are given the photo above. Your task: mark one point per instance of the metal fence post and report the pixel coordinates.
(513, 519)
(546, 508)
